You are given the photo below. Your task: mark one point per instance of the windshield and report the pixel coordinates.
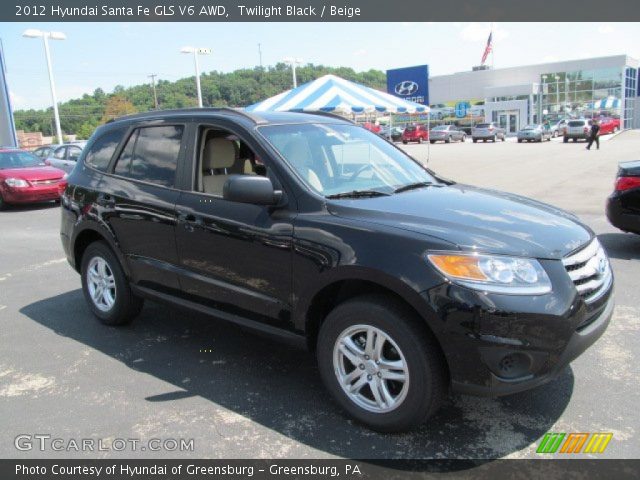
(16, 159)
(577, 123)
(334, 159)
(442, 127)
(530, 127)
(483, 125)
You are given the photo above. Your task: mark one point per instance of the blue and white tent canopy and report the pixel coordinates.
(334, 94)
(606, 104)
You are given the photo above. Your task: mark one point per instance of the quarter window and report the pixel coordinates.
(100, 153)
(151, 155)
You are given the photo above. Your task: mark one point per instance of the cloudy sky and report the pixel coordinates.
(108, 54)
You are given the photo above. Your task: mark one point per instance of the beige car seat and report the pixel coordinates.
(219, 161)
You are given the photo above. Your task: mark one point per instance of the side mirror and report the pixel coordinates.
(250, 189)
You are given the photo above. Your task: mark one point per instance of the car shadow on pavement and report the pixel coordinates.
(624, 246)
(278, 386)
(27, 207)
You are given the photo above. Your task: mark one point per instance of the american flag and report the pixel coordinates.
(487, 49)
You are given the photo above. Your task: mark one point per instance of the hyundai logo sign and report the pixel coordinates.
(406, 88)
(410, 83)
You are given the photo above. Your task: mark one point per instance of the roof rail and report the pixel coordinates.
(162, 113)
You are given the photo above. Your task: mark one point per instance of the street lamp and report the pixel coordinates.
(33, 33)
(197, 51)
(293, 62)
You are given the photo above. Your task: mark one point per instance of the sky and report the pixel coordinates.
(108, 54)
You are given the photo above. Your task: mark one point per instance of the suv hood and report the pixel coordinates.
(474, 219)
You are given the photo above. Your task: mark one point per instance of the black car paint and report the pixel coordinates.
(266, 267)
(623, 208)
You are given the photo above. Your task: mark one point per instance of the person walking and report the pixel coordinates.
(594, 135)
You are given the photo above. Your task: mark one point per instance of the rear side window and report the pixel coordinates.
(483, 125)
(151, 155)
(100, 153)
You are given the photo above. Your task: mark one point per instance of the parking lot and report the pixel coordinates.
(172, 375)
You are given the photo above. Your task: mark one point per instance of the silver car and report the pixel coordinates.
(534, 133)
(65, 156)
(579, 128)
(488, 131)
(446, 134)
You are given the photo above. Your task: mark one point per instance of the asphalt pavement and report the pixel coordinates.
(177, 375)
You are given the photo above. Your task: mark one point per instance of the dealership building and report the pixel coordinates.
(514, 97)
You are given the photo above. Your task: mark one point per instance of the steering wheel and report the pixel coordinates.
(363, 168)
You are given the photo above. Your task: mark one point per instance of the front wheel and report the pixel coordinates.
(419, 139)
(381, 364)
(565, 140)
(106, 288)
(475, 140)
(464, 138)
(404, 142)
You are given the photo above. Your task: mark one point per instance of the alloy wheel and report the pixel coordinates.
(101, 284)
(371, 368)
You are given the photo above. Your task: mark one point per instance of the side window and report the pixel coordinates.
(59, 153)
(100, 153)
(151, 155)
(74, 153)
(223, 154)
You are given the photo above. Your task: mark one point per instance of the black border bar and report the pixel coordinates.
(318, 10)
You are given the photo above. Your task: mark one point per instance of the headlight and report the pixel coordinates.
(16, 182)
(493, 273)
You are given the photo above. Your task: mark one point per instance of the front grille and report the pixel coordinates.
(45, 182)
(590, 271)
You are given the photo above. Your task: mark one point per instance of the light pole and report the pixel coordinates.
(33, 33)
(293, 62)
(196, 52)
(153, 85)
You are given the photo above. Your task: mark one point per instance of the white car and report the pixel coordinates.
(65, 156)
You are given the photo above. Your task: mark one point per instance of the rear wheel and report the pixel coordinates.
(432, 142)
(464, 138)
(519, 140)
(565, 140)
(475, 140)
(404, 142)
(575, 140)
(381, 364)
(106, 288)
(447, 140)
(419, 139)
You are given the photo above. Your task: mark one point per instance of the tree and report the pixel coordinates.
(116, 106)
(85, 131)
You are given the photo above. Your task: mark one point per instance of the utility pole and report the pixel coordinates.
(153, 85)
(260, 54)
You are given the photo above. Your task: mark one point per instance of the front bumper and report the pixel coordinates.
(503, 344)
(31, 194)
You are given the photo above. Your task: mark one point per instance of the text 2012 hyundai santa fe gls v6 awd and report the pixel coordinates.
(405, 285)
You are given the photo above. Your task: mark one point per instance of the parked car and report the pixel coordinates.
(415, 133)
(24, 178)
(477, 111)
(391, 133)
(372, 127)
(577, 129)
(446, 133)
(404, 284)
(45, 151)
(65, 156)
(534, 133)
(609, 125)
(557, 127)
(623, 205)
(488, 131)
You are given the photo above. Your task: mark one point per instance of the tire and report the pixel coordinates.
(464, 138)
(475, 140)
(447, 140)
(565, 140)
(575, 140)
(418, 398)
(519, 140)
(124, 305)
(419, 139)
(494, 139)
(432, 142)
(504, 137)
(484, 140)
(616, 129)
(404, 142)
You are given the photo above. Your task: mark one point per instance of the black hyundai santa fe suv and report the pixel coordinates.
(404, 284)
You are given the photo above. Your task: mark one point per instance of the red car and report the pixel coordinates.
(25, 179)
(609, 125)
(372, 127)
(415, 133)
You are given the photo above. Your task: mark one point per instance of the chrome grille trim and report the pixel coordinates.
(590, 271)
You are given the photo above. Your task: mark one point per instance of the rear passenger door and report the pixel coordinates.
(137, 201)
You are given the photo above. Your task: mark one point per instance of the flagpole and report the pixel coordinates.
(493, 49)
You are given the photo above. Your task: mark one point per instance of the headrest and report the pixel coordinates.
(218, 153)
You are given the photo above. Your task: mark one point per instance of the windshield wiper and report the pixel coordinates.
(359, 193)
(413, 186)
